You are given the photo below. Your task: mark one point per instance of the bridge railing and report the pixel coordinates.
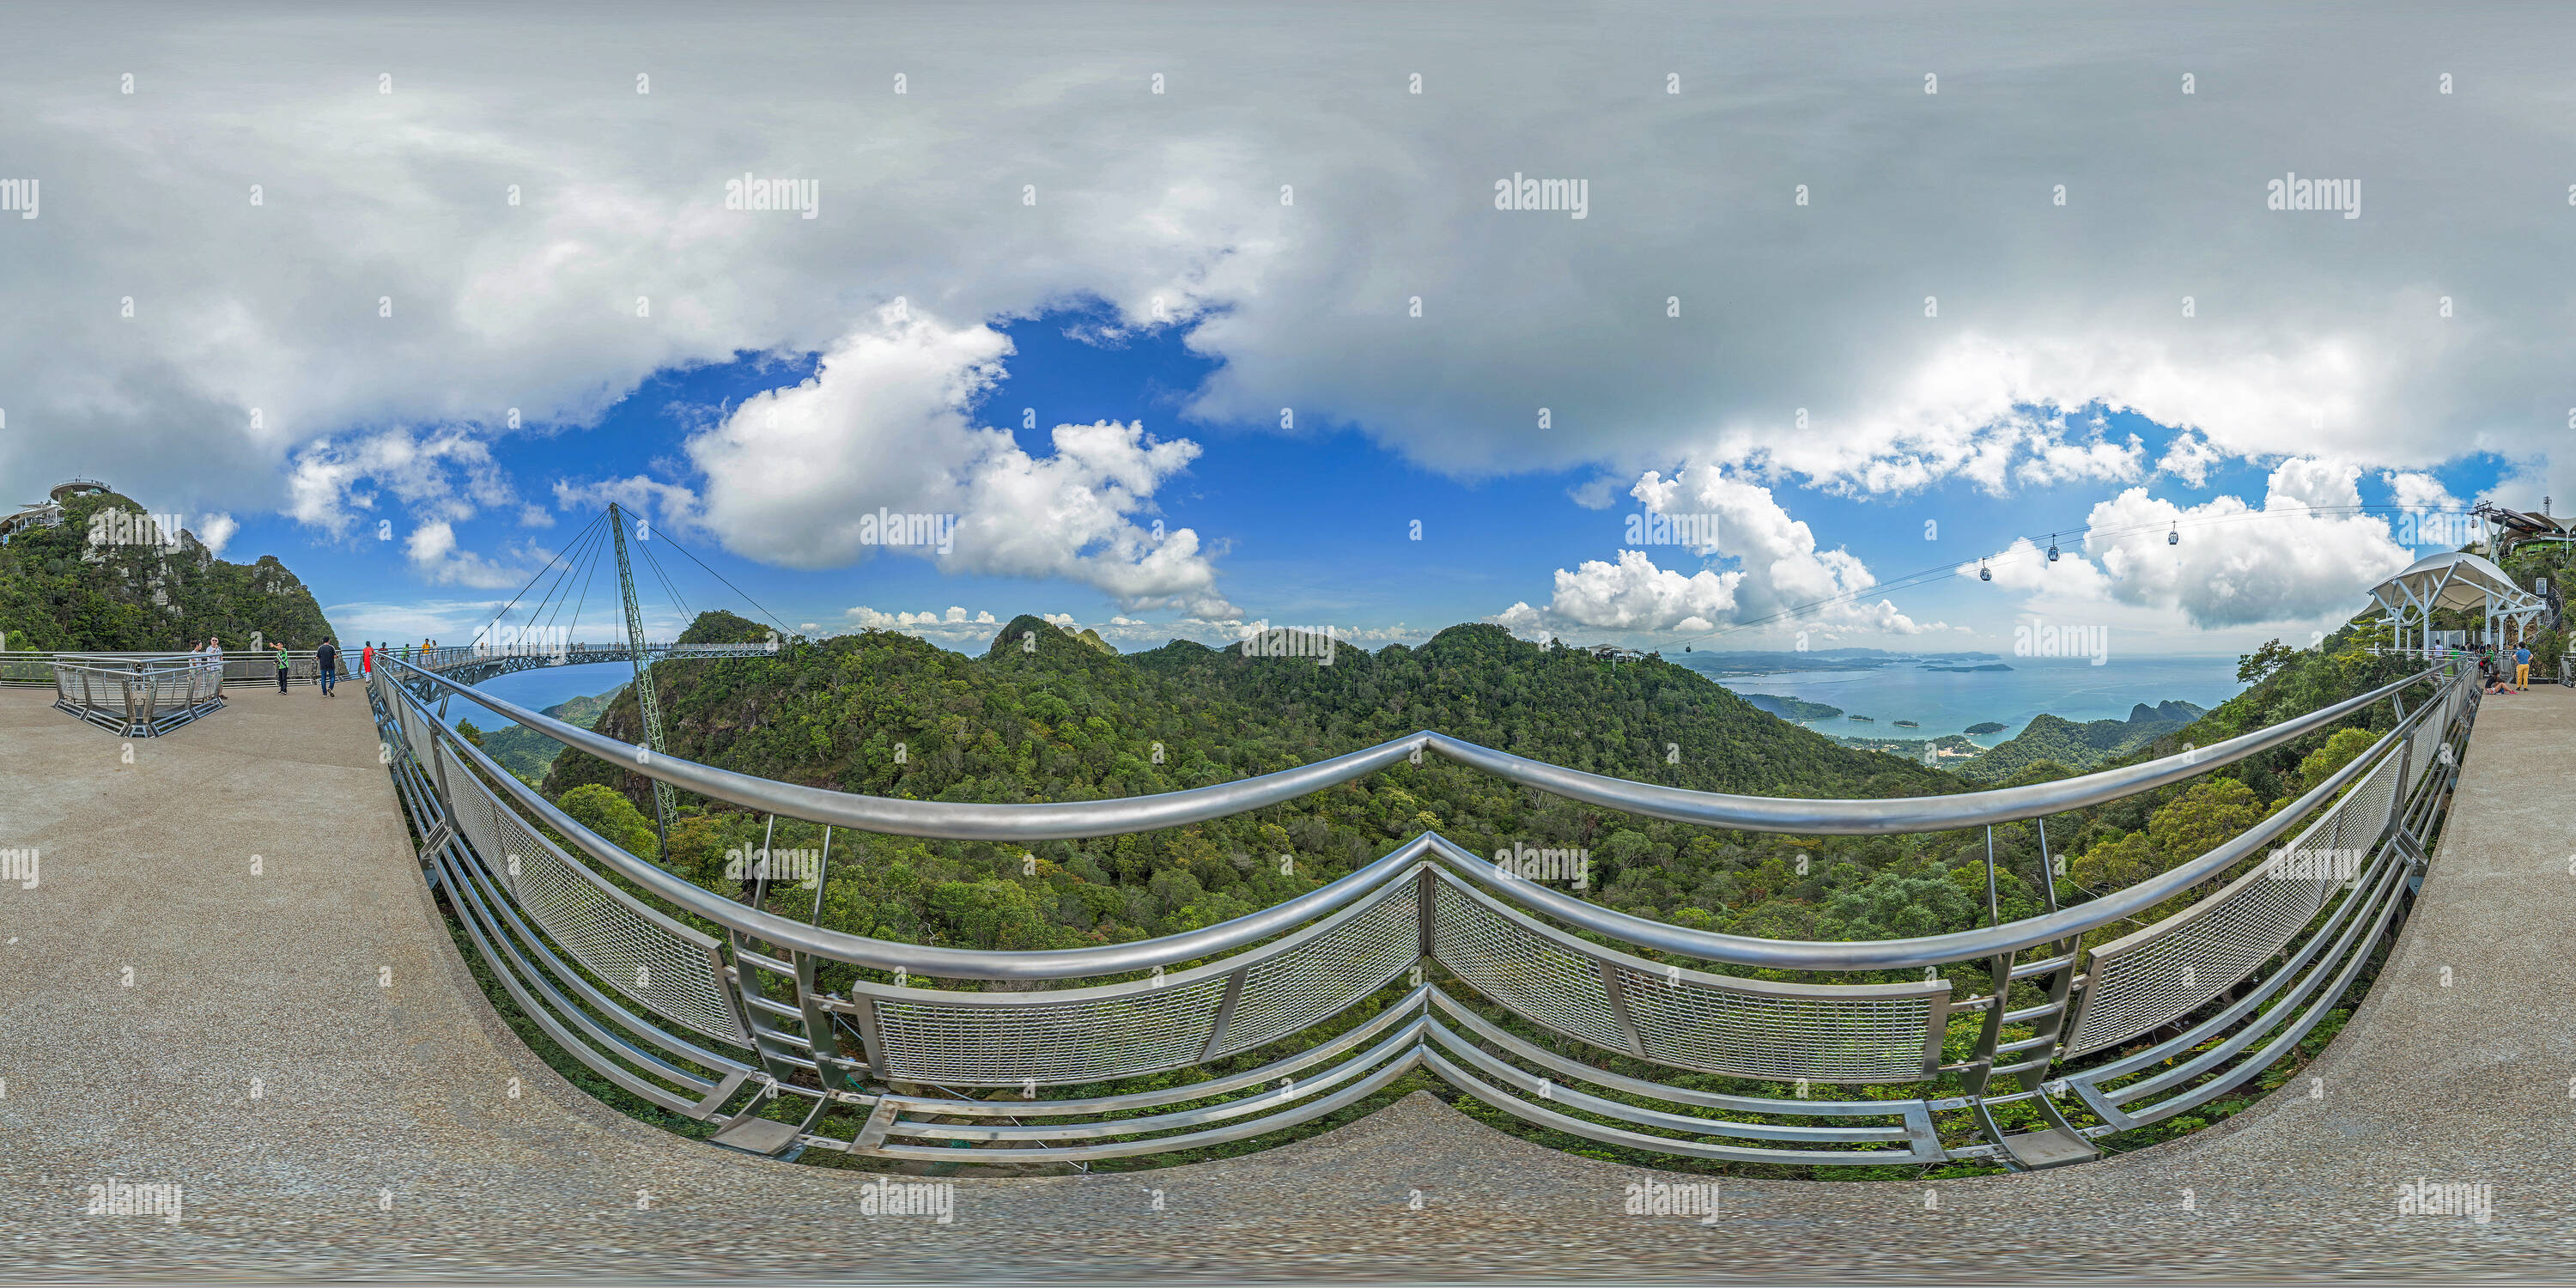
(35, 669)
(786, 1034)
(136, 695)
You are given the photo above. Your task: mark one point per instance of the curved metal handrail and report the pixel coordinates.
(954, 963)
(1336, 947)
(1146, 954)
(1928, 950)
(962, 821)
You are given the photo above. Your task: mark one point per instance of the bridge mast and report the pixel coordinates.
(645, 699)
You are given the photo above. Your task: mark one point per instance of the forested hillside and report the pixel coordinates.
(527, 753)
(58, 590)
(1042, 715)
(2079, 746)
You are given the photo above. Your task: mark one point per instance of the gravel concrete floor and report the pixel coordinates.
(300, 1048)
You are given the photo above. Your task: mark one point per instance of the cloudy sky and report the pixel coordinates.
(1180, 318)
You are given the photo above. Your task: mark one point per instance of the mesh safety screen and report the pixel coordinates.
(1054, 1043)
(1320, 977)
(1523, 970)
(1779, 1036)
(2366, 806)
(667, 968)
(415, 730)
(2425, 746)
(2177, 965)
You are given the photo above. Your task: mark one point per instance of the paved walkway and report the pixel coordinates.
(381, 1139)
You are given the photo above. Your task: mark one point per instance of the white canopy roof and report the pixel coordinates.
(2457, 579)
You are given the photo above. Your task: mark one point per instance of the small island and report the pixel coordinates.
(1985, 726)
(1909, 724)
(1962, 670)
(1792, 708)
(1863, 719)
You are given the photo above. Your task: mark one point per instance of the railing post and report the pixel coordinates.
(1428, 910)
(819, 1035)
(1611, 989)
(1224, 1012)
(822, 870)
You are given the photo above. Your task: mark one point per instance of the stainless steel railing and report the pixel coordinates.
(738, 1015)
(22, 668)
(136, 695)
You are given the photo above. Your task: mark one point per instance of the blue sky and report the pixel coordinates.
(1312, 526)
(1833, 280)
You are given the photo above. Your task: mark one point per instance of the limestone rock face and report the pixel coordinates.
(113, 576)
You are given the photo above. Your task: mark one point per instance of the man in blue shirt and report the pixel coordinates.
(2522, 668)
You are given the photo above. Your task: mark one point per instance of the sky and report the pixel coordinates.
(1178, 321)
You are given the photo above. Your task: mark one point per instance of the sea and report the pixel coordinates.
(1947, 702)
(541, 688)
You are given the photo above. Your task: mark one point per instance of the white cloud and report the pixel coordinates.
(885, 424)
(1778, 569)
(2025, 568)
(1599, 492)
(952, 629)
(2312, 483)
(435, 558)
(1780, 564)
(869, 618)
(448, 619)
(2054, 461)
(216, 531)
(1173, 218)
(2417, 491)
(1635, 595)
(2290, 562)
(438, 473)
(2188, 458)
(665, 504)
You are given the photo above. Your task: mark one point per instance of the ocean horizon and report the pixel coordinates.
(1947, 702)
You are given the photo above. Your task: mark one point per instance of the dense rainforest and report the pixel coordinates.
(2079, 746)
(61, 590)
(1044, 715)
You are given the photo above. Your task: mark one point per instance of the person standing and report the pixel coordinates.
(2522, 666)
(326, 662)
(367, 661)
(281, 666)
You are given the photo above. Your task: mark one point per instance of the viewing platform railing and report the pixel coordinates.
(773, 1028)
(28, 669)
(136, 695)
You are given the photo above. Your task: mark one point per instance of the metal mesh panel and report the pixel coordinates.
(2424, 745)
(477, 813)
(2364, 814)
(1778, 1036)
(416, 732)
(1320, 977)
(1055, 1043)
(666, 967)
(2172, 968)
(1523, 970)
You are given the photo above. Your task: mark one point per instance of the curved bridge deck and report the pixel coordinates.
(383, 1139)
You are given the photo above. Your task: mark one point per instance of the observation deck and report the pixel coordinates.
(301, 1046)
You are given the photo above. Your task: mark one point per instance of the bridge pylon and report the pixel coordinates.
(645, 700)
